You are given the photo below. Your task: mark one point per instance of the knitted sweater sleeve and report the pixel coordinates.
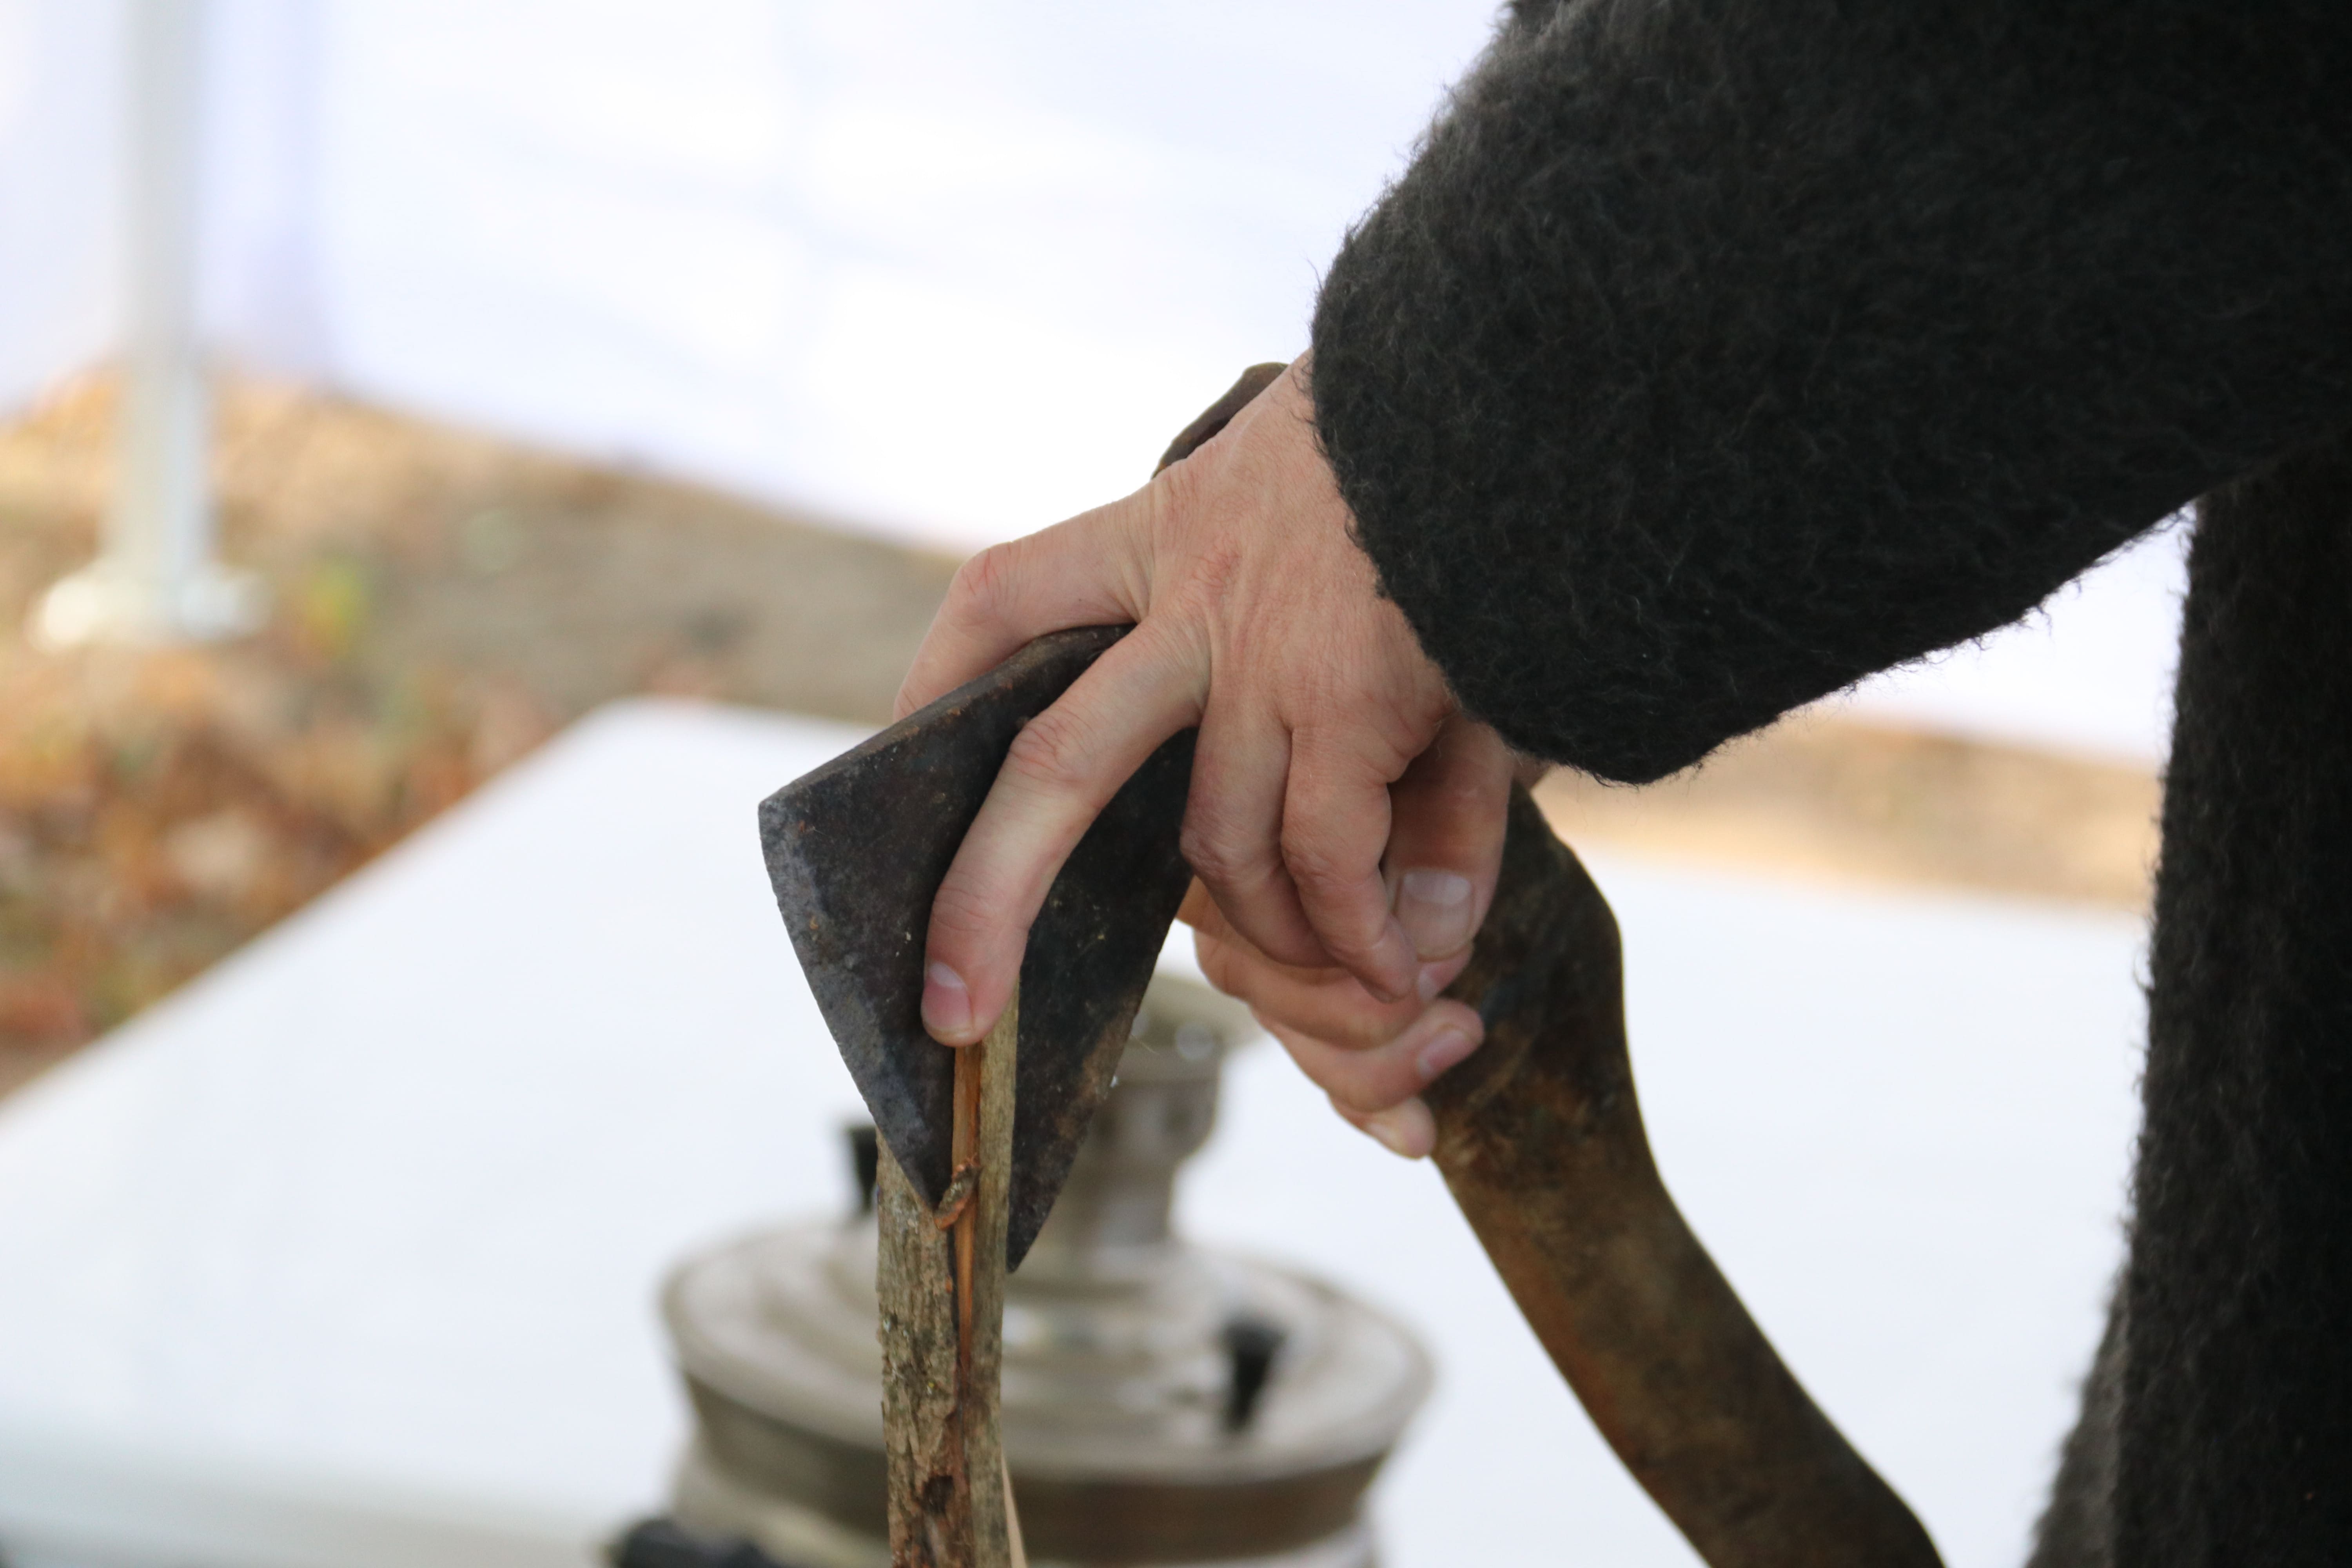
(1712, 355)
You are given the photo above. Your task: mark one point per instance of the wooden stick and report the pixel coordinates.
(941, 1281)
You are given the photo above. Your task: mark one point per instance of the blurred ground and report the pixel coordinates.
(1821, 797)
(444, 601)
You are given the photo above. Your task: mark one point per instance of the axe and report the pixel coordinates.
(1540, 1137)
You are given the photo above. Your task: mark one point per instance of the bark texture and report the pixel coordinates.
(943, 1323)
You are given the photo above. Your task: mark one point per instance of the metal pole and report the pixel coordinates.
(156, 579)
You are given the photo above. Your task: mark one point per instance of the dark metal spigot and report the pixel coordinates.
(1253, 1343)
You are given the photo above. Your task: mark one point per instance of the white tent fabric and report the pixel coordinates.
(58, 144)
(947, 269)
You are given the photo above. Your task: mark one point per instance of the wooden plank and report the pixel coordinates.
(941, 1277)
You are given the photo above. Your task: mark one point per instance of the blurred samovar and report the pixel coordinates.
(1163, 1403)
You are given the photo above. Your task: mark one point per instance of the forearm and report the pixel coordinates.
(1713, 355)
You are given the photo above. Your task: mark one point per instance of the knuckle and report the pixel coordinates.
(1348, 948)
(1366, 1091)
(985, 583)
(1175, 490)
(1054, 751)
(962, 911)
(1318, 1062)
(1219, 856)
(1225, 844)
(1215, 569)
(1328, 884)
(1352, 1033)
(1282, 932)
(1467, 789)
(1314, 861)
(1220, 966)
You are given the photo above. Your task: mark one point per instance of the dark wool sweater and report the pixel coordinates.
(1714, 354)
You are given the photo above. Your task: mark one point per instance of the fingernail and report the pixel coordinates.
(1434, 907)
(1448, 1046)
(1396, 960)
(947, 1003)
(1405, 1130)
(1435, 977)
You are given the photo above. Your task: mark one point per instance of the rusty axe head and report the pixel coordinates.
(856, 851)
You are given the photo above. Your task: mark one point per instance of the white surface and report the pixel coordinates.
(345, 1255)
(949, 271)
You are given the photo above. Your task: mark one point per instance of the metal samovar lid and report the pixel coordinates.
(1163, 1403)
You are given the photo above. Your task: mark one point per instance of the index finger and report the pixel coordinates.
(1077, 573)
(1064, 767)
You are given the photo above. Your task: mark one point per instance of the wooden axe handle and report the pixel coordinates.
(1220, 414)
(1541, 1140)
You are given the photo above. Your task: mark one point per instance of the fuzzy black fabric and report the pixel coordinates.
(1714, 353)
(2078, 1529)
(2235, 1438)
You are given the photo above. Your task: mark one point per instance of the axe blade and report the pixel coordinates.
(856, 850)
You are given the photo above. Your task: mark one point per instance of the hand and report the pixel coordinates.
(1258, 619)
(1372, 1057)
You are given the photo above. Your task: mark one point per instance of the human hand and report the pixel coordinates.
(1259, 619)
(1374, 1055)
